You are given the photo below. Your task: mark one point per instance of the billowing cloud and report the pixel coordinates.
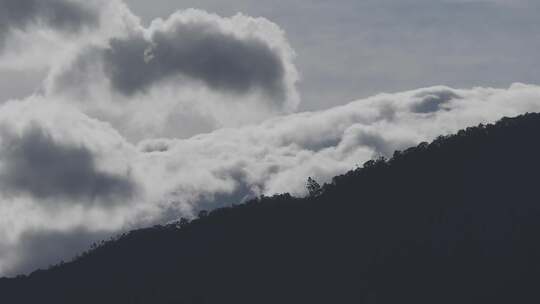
(433, 101)
(35, 164)
(201, 51)
(63, 15)
(179, 177)
(151, 82)
(278, 154)
(60, 171)
(41, 34)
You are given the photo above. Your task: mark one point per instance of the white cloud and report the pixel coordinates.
(37, 35)
(191, 73)
(180, 176)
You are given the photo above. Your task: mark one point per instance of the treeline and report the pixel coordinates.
(453, 221)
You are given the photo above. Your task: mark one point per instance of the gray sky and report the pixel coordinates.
(352, 49)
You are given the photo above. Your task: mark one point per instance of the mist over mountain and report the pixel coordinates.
(452, 221)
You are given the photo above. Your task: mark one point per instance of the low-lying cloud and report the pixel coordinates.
(433, 101)
(179, 177)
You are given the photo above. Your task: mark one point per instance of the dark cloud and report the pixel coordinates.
(125, 65)
(63, 15)
(350, 49)
(320, 143)
(200, 52)
(221, 60)
(155, 146)
(36, 164)
(433, 101)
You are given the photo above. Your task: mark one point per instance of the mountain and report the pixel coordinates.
(453, 221)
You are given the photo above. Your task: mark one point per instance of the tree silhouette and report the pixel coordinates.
(313, 187)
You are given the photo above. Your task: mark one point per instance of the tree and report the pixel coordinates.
(183, 222)
(203, 214)
(313, 187)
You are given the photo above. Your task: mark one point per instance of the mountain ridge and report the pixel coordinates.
(451, 221)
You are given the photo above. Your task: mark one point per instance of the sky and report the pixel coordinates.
(116, 115)
(349, 49)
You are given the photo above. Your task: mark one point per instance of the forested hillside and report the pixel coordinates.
(453, 221)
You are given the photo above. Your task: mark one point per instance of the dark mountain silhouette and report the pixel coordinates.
(454, 221)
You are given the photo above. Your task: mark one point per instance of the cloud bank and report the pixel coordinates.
(193, 72)
(161, 179)
(142, 125)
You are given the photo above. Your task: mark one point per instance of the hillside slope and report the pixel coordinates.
(454, 221)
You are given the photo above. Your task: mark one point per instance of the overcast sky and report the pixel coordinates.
(352, 49)
(348, 49)
(112, 120)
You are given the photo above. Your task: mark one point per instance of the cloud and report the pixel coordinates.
(152, 82)
(278, 155)
(200, 51)
(36, 34)
(62, 15)
(35, 164)
(60, 171)
(179, 177)
(433, 101)
(53, 247)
